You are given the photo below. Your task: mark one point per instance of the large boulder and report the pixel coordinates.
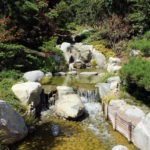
(34, 76)
(28, 92)
(85, 53)
(104, 89)
(100, 58)
(69, 106)
(141, 134)
(134, 112)
(12, 125)
(119, 147)
(64, 90)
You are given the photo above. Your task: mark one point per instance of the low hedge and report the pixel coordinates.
(136, 71)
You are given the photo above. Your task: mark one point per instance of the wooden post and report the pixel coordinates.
(107, 112)
(130, 131)
(115, 125)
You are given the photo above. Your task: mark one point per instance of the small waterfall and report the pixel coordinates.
(95, 122)
(88, 96)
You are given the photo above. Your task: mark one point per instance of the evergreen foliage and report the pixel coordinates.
(136, 71)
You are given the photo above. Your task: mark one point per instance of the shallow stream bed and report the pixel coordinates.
(92, 132)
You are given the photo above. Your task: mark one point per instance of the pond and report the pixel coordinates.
(90, 132)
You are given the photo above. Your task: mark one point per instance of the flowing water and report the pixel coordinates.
(91, 132)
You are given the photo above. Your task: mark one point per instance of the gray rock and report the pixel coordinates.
(134, 112)
(72, 73)
(69, 106)
(141, 134)
(114, 79)
(60, 74)
(55, 130)
(28, 92)
(120, 147)
(88, 73)
(135, 53)
(104, 89)
(34, 76)
(12, 125)
(100, 58)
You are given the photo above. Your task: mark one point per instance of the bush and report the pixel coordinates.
(143, 45)
(107, 52)
(137, 72)
(147, 35)
(93, 62)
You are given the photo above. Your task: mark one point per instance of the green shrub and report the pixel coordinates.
(136, 71)
(147, 35)
(93, 62)
(7, 79)
(143, 45)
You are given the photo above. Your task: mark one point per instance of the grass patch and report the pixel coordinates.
(7, 79)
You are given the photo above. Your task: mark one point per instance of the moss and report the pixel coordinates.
(45, 80)
(72, 137)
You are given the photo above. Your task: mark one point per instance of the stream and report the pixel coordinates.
(90, 132)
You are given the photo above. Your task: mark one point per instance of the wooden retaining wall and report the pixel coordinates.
(120, 121)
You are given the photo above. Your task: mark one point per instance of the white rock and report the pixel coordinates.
(141, 134)
(117, 103)
(134, 112)
(64, 46)
(28, 92)
(72, 73)
(113, 60)
(113, 68)
(64, 90)
(114, 79)
(69, 106)
(34, 76)
(60, 74)
(71, 66)
(100, 58)
(120, 147)
(88, 73)
(104, 89)
(12, 125)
